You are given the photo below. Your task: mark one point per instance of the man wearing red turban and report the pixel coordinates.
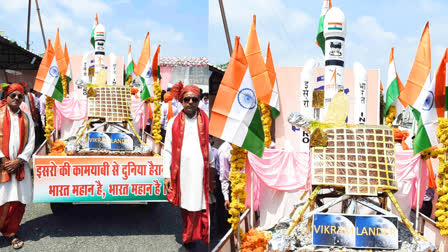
(187, 164)
(17, 144)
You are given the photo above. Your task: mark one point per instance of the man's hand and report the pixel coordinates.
(227, 205)
(11, 166)
(167, 184)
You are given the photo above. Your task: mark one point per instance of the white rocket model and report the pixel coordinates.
(112, 70)
(306, 99)
(360, 113)
(100, 41)
(334, 33)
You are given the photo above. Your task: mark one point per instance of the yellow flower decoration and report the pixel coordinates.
(49, 114)
(442, 178)
(238, 182)
(390, 115)
(156, 128)
(267, 122)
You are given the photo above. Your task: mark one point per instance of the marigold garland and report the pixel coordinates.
(255, 240)
(57, 149)
(49, 114)
(238, 182)
(390, 115)
(64, 85)
(156, 129)
(267, 122)
(129, 80)
(442, 178)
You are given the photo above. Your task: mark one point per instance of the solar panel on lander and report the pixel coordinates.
(111, 103)
(361, 159)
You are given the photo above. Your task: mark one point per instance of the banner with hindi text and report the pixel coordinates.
(98, 178)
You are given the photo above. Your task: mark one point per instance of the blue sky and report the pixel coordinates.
(179, 26)
(373, 27)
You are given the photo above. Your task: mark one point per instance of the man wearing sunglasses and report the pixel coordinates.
(17, 144)
(187, 165)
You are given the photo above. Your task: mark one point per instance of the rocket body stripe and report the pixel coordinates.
(334, 33)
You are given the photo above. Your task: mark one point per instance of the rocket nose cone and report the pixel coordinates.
(358, 67)
(310, 64)
(100, 32)
(334, 21)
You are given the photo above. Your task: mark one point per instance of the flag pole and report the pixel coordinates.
(226, 28)
(252, 213)
(417, 211)
(41, 26)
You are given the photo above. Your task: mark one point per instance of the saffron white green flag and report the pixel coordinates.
(48, 75)
(235, 117)
(274, 101)
(92, 35)
(68, 73)
(320, 39)
(419, 94)
(394, 86)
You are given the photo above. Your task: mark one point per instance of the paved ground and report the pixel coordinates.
(157, 227)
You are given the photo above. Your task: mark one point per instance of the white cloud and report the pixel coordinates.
(367, 28)
(163, 34)
(85, 7)
(15, 6)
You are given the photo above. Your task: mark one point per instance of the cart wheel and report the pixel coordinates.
(60, 208)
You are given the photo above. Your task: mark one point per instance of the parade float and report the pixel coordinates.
(337, 179)
(96, 148)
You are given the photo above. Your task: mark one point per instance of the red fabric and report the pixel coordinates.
(20, 174)
(150, 116)
(195, 226)
(431, 176)
(178, 136)
(170, 110)
(179, 90)
(167, 97)
(13, 219)
(32, 107)
(14, 87)
(401, 135)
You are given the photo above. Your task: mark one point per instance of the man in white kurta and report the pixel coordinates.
(193, 189)
(15, 190)
(191, 162)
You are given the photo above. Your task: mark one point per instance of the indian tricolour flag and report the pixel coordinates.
(274, 101)
(335, 26)
(68, 73)
(235, 117)
(394, 87)
(257, 67)
(48, 75)
(419, 94)
(143, 69)
(129, 65)
(92, 35)
(320, 39)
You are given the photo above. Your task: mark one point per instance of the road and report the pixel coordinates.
(156, 227)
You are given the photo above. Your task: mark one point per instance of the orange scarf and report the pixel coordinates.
(4, 139)
(170, 110)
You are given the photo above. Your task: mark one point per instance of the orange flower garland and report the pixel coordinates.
(254, 240)
(57, 149)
